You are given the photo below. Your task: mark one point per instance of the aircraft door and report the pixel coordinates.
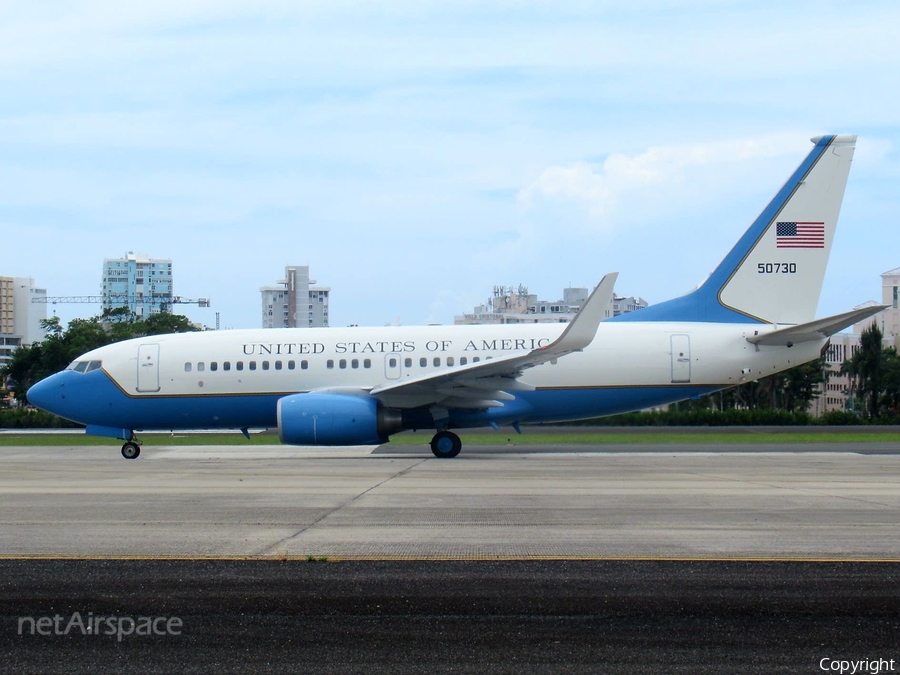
(681, 359)
(148, 368)
(392, 366)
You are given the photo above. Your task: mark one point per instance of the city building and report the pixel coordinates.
(295, 302)
(20, 318)
(842, 346)
(138, 282)
(625, 305)
(516, 305)
(889, 319)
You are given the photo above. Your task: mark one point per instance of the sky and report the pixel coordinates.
(417, 153)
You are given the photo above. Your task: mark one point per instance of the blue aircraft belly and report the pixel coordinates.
(562, 405)
(104, 404)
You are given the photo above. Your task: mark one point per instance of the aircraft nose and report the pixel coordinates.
(46, 394)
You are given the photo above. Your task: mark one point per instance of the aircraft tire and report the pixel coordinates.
(445, 445)
(131, 450)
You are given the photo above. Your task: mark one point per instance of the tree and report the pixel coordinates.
(792, 390)
(162, 323)
(891, 380)
(866, 370)
(801, 385)
(23, 369)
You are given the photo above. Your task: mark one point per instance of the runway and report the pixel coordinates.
(533, 559)
(576, 502)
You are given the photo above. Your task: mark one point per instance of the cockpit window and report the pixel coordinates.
(85, 366)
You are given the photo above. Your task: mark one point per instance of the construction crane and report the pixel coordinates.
(121, 299)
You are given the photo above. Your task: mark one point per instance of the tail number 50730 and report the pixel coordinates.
(776, 268)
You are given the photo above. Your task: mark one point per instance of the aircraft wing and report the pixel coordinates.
(487, 383)
(814, 330)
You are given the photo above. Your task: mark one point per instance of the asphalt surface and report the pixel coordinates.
(476, 565)
(452, 617)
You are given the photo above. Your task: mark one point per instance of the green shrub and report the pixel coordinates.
(30, 418)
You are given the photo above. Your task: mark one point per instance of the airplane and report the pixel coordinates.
(753, 316)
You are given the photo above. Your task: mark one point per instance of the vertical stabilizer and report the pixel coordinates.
(774, 273)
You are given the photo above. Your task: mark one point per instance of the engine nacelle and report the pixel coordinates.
(334, 419)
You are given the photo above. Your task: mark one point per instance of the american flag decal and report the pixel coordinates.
(799, 235)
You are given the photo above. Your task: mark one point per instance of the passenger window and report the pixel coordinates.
(329, 364)
(239, 365)
(304, 364)
(407, 362)
(423, 362)
(392, 362)
(292, 365)
(252, 365)
(187, 367)
(201, 367)
(367, 363)
(450, 361)
(278, 365)
(343, 363)
(437, 361)
(354, 363)
(463, 360)
(265, 365)
(226, 365)
(213, 366)
(476, 359)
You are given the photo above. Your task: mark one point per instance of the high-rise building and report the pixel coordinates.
(138, 282)
(7, 306)
(20, 318)
(295, 302)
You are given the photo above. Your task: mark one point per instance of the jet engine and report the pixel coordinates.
(335, 419)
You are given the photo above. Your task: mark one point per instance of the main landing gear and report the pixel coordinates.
(445, 445)
(131, 450)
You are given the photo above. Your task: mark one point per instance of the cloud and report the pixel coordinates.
(670, 175)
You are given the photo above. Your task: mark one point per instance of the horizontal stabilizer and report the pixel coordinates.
(814, 330)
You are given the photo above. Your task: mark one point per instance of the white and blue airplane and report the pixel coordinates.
(753, 316)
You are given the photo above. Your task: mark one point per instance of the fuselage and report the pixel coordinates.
(234, 379)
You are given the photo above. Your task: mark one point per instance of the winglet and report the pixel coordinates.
(580, 332)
